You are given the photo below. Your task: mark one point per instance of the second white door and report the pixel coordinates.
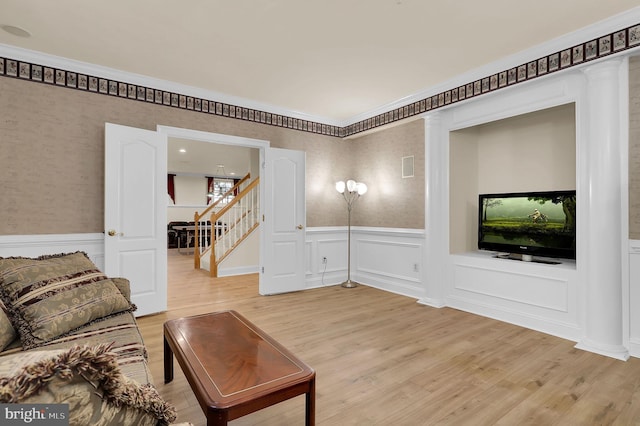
(284, 222)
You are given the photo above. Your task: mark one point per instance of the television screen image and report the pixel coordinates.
(534, 223)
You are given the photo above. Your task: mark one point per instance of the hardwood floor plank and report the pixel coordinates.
(383, 359)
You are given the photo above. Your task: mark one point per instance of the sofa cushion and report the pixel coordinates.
(89, 380)
(50, 296)
(7, 332)
(121, 331)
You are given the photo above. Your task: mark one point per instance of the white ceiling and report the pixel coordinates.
(331, 60)
(203, 158)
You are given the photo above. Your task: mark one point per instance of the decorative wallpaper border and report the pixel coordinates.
(103, 86)
(600, 47)
(595, 49)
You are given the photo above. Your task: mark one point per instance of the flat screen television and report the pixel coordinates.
(528, 223)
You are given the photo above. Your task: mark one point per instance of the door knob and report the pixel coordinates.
(299, 226)
(113, 233)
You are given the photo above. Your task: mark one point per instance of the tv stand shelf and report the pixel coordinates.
(507, 261)
(531, 294)
(523, 258)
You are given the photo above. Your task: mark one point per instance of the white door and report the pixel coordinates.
(135, 211)
(284, 222)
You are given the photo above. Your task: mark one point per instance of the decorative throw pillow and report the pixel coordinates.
(50, 296)
(7, 332)
(124, 287)
(87, 379)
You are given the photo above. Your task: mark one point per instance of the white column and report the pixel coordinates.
(603, 326)
(436, 210)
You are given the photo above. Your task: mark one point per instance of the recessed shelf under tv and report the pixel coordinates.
(514, 262)
(527, 258)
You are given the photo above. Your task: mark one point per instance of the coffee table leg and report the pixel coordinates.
(217, 418)
(168, 362)
(310, 419)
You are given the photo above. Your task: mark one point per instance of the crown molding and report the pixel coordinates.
(582, 35)
(59, 62)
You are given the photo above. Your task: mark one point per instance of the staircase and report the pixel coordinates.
(220, 229)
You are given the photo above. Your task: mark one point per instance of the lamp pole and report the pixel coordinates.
(348, 283)
(351, 191)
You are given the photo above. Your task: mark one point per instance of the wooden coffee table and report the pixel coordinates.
(233, 367)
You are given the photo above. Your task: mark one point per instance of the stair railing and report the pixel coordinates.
(233, 224)
(205, 232)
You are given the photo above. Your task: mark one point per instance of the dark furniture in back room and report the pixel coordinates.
(176, 237)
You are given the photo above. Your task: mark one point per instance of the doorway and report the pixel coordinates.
(136, 207)
(193, 166)
(194, 155)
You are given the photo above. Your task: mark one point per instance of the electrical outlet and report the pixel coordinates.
(324, 260)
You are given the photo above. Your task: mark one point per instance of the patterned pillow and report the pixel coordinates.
(50, 296)
(123, 286)
(7, 332)
(86, 378)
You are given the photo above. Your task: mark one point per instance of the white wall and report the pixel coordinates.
(244, 259)
(190, 190)
(634, 297)
(190, 196)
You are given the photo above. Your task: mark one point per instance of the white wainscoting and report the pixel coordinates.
(634, 298)
(38, 245)
(386, 258)
(533, 295)
(329, 243)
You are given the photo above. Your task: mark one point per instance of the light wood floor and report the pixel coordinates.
(383, 359)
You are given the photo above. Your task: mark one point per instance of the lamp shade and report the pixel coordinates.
(351, 185)
(340, 186)
(362, 188)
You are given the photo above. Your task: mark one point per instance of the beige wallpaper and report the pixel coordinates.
(634, 148)
(391, 201)
(52, 155)
(52, 160)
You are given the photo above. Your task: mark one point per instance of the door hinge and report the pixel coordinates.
(262, 269)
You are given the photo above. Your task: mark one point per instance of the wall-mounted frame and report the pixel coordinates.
(407, 167)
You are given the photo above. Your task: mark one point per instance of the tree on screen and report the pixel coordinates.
(487, 203)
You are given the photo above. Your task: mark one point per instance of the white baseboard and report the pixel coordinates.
(238, 270)
(434, 303)
(634, 347)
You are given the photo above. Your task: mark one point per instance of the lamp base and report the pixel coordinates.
(349, 284)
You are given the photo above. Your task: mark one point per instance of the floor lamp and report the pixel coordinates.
(351, 191)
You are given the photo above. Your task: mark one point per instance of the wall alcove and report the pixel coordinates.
(531, 152)
(557, 133)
